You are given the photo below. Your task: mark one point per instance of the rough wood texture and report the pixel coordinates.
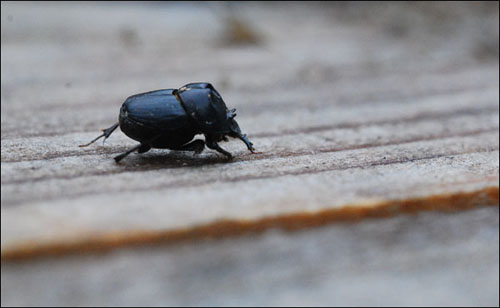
(423, 260)
(354, 115)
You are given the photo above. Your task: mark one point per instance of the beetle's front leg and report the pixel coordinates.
(243, 137)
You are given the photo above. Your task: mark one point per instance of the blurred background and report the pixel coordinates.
(340, 52)
(289, 68)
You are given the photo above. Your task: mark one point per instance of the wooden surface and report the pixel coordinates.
(423, 260)
(354, 116)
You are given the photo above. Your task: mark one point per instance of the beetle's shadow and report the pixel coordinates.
(172, 159)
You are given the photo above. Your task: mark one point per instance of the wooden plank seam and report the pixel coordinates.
(226, 228)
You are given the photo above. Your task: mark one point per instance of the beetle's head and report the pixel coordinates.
(233, 125)
(234, 128)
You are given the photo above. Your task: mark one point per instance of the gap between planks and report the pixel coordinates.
(108, 241)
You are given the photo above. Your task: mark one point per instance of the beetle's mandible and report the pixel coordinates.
(170, 118)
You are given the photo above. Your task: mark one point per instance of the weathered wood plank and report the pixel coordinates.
(430, 258)
(392, 140)
(358, 110)
(355, 119)
(238, 197)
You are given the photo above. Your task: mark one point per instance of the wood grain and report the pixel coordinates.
(376, 181)
(338, 132)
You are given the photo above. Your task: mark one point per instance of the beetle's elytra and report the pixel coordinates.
(170, 118)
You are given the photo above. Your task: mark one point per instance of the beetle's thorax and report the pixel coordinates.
(204, 105)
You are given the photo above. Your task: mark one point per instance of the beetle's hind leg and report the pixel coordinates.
(106, 133)
(141, 148)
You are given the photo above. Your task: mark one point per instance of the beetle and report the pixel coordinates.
(170, 118)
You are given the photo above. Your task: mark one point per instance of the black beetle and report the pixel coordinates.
(170, 118)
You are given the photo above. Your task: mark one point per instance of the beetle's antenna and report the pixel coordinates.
(106, 133)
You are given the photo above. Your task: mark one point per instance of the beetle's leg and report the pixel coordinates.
(106, 133)
(236, 132)
(211, 142)
(122, 156)
(215, 146)
(243, 137)
(195, 146)
(144, 148)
